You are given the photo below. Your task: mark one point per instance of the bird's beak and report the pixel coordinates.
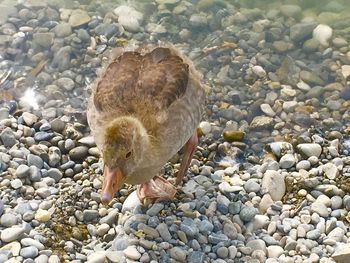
(113, 180)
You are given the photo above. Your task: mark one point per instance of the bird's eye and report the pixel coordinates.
(128, 155)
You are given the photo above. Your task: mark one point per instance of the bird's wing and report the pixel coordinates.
(158, 77)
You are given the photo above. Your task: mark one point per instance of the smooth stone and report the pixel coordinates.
(132, 253)
(274, 251)
(78, 18)
(178, 254)
(131, 202)
(32, 242)
(287, 161)
(247, 214)
(274, 184)
(257, 244)
(322, 33)
(164, 232)
(63, 30)
(55, 174)
(43, 215)
(29, 252)
(16, 184)
(155, 209)
(266, 108)
(303, 165)
(320, 209)
(44, 39)
(78, 153)
(205, 127)
(90, 215)
(22, 171)
(29, 118)
(310, 149)
(252, 186)
(14, 247)
(8, 220)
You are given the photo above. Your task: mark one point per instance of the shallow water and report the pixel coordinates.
(278, 71)
(49, 59)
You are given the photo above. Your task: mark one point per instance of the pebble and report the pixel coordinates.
(29, 252)
(310, 149)
(287, 161)
(322, 33)
(11, 234)
(22, 171)
(8, 220)
(178, 254)
(132, 253)
(330, 171)
(274, 251)
(247, 214)
(274, 184)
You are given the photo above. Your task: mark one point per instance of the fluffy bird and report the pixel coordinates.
(144, 108)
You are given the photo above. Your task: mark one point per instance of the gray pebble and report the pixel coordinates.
(35, 160)
(90, 215)
(189, 227)
(164, 232)
(196, 257)
(252, 186)
(22, 171)
(55, 174)
(222, 252)
(8, 137)
(155, 209)
(215, 238)
(78, 153)
(247, 214)
(8, 220)
(66, 83)
(29, 252)
(304, 164)
(178, 254)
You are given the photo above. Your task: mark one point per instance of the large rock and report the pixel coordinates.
(273, 183)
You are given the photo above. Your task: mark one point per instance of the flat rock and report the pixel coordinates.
(79, 17)
(273, 183)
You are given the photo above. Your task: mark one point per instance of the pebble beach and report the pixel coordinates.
(270, 179)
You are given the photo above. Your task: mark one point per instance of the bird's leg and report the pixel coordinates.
(156, 189)
(188, 149)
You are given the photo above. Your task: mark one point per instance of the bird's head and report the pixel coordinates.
(124, 145)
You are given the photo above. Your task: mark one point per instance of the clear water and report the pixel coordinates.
(225, 39)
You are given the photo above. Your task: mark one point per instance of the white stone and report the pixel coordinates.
(259, 71)
(310, 149)
(266, 108)
(129, 18)
(274, 251)
(132, 253)
(131, 202)
(287, 161)
(14, 247)
(322, 34)
(330, 171)
(205, 127)
(273, 183)
(11, 234)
